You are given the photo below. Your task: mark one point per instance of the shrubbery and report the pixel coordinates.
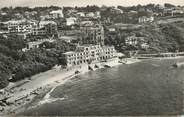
(161, 38)
(18, 65)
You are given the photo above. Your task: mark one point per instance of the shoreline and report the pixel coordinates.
(50, 80)
(17, 97)
(84, 89)
(22, 93)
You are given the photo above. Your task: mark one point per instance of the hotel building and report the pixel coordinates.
(89, 53)
(92, 35)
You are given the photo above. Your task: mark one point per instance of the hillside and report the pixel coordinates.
(16, 65)
(163, 37)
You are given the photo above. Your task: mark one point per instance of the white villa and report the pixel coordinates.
(145, 19)
(56, 14)
(70, 21)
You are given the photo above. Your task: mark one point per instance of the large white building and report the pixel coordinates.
(145, 19)
(20, 26)
(89, 53)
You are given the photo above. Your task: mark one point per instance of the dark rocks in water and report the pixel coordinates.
(96, 66)
(90, 68)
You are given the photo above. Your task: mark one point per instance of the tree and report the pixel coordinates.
(3, 79)
(168, 5)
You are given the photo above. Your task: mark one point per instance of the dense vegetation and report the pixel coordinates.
(17, 65)
(160, 37)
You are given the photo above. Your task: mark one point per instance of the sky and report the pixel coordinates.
(33, 3)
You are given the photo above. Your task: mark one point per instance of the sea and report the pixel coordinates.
(149, 87)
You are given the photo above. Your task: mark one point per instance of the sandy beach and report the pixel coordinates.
(18, 94)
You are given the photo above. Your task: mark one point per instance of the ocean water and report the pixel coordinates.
(150, 87)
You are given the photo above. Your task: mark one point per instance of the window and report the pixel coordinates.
(74, 63)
